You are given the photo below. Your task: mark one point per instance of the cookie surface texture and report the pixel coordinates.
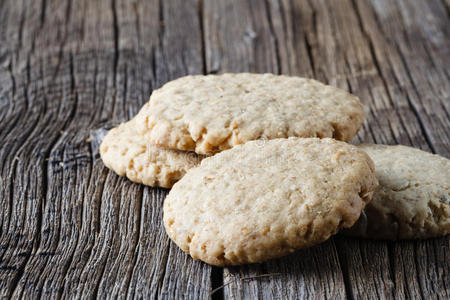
(266, 199)
(125, 152)
(208, 114)
(412, 200)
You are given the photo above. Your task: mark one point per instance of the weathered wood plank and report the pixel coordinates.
(335, 48)
(392, 120)
(161, 268)
(404, 38)
(310, 273)
(85, 232)
(24, 153)
(245, 21)
(290, 29)
(70, 158)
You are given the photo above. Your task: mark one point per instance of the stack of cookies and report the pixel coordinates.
(260, 167)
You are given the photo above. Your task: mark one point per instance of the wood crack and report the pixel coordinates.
(164, 269)
(308, 44)
(273, 36)
(310, 55)
(89, 249)
(202, 35)
(116, 38)
(421, 124)
(95, 289)
(43, 9)
(136, 244)
(417, 267)
(344, 272)
(446, 5)
(392, 269)
(217, 281)
(13, 78)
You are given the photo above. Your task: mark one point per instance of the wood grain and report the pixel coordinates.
(70, 69)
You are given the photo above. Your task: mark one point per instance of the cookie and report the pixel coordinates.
(125, 152)
(413, 198)
(266, 199)
(208, 114)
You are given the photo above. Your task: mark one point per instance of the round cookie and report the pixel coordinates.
(207, 114)
(266, 199)
(125, 152)
(413, 198)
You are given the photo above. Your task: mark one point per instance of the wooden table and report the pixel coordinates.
(70, 227)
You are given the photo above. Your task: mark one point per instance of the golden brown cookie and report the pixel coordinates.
(127, 153)
(413, 198)
(266, 199)
(207, 114)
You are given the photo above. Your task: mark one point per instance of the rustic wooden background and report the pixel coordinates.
(71, 228)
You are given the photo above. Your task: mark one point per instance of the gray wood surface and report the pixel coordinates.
(71, 228)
